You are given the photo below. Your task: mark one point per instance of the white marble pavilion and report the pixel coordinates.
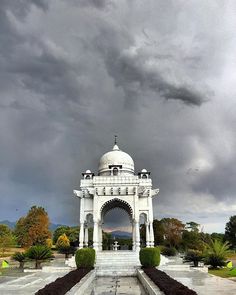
(116, 185)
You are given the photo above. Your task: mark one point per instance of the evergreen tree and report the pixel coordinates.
(63, 242)
(230, 231)
(6, 238)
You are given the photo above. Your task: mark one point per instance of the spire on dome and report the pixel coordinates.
(115, 147)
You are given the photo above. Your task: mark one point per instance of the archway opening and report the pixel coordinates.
(116, 225)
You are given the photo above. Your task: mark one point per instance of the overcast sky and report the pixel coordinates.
(160, 74)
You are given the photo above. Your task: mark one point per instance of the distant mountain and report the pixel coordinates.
(12, 224)
(120, 234)
(54, 226)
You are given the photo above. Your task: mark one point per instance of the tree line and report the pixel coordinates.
(33, 229)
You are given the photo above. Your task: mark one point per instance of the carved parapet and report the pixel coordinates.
(154, 192)
(84, 193)
(144, 191)
(78, 194)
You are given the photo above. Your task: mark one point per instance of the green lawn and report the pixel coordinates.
(223, 272)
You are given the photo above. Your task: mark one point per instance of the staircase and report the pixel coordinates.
(116, 263)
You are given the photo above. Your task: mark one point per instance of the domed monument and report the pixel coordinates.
(116, 186)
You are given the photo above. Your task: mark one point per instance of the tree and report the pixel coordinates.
(63, 242)
(33, 229)
(192, 240)
(230, 231)
(106, 240)
(173, 229)
(6, 238)
(216, 253)
(158, 230)
(63, 246)
(71, 232)
(39, 253)
(20, 257)
(5, 230)
(192, 226)
(218, 236)
(59, 231)
(194, 256)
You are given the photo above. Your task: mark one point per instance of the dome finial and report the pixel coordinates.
(115, 142)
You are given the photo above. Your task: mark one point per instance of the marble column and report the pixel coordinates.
(133, 236)
(95, 235)
(151, 235)
(137, 235)
(81, 235)
(86, 236)
(147, 235)
(100, 237)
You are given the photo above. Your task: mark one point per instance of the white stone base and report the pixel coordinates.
(117, 263)
(150, 287)
(82, 286)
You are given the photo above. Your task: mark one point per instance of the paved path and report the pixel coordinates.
(28, 284)
(201, 282)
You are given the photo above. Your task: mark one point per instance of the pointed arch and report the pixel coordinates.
(116, 203)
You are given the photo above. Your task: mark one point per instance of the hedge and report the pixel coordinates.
(149, 257)
(85, 258)
(167, 284)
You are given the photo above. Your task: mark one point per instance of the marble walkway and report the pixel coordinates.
(199, 281)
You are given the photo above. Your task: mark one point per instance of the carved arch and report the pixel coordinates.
(116, 203)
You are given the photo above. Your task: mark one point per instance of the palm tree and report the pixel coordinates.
(39, 253)
(20, 257)
(194, 256)
(216, 253)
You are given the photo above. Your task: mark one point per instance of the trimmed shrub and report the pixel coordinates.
(168, 251)
(85, 258)
(149, 257)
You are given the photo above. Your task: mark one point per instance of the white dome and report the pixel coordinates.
(88, 171)
(144, 170)
(116, 157)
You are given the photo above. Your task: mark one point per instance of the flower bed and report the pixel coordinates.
(62, 285)
(167, 284)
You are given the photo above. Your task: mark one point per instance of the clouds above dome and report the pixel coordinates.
(159, 73)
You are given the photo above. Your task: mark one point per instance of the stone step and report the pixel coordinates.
(104, 265)
(117, 258)
(111, 272)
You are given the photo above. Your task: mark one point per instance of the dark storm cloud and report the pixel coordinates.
(131, 72)
(73, 74)
(96, 3)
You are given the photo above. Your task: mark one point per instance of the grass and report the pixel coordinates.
(9, 251)
(223, 272)
(231, 256)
